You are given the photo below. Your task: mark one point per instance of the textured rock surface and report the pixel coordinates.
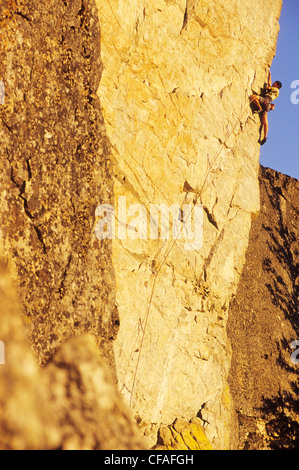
(264, 321)
(174, 92)
(181, 130)
(71, 403)
(82, 396)
(21, 414)
(54, 170)
(183, 435)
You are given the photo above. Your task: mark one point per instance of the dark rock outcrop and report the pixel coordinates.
(264, 321)
(55, 170)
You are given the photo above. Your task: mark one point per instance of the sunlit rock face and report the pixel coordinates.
(174, 94)
(72, 403)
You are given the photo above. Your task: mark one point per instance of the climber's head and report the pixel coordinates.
(277, 84)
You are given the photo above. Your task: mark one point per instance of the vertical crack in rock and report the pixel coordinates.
(55, 170)
(185, 21)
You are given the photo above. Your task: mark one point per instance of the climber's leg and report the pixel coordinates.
(264, 119)
(255, 100)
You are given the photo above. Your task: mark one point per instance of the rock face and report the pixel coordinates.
(72, 403)
(54, 170)
(174, 93)
(182, 435)
(128, 104)
(264, 321)
(21, 412)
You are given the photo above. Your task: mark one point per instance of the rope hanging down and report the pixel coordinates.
(164, 259)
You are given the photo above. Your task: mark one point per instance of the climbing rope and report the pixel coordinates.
(157, 270)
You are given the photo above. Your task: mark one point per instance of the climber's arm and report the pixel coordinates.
(269, 80)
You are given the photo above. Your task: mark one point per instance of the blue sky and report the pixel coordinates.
(281, 151)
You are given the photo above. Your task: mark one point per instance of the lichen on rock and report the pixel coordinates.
(183, 435)
(55, 170)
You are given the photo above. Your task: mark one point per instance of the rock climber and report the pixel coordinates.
(264, 103)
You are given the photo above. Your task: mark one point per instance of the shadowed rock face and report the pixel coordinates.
(54, 170)
(264, 321)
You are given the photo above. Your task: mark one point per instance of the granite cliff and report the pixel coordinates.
(263, 322)
(129, 105)
(174, 94)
